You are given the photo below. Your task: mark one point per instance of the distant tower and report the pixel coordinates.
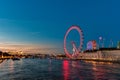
(111, 43)
(118, 46)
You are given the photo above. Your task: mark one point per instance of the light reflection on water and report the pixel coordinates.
(51, 69)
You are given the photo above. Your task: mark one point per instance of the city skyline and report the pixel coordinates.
(43, 24)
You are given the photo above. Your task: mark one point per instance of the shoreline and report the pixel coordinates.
(1, 60)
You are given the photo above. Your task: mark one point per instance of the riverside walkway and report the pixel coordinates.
(104, 56)
(6, 57)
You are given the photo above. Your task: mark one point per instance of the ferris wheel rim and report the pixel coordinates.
(74, 27)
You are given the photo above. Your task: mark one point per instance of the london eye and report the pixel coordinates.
(76, 49)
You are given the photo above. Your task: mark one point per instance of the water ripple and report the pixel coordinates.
(51, 69)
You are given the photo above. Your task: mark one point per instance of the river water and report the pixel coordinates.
(52, 69)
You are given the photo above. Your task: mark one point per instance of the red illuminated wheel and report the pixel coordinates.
(77, 28)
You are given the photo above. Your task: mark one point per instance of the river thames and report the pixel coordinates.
(52, 69)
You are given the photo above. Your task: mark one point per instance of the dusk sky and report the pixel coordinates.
(43, 23)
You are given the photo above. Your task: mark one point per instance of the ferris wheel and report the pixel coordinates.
(76, 50)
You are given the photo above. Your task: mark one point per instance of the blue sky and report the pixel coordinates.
(44, 22)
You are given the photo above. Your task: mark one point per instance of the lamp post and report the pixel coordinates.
(100, 39)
